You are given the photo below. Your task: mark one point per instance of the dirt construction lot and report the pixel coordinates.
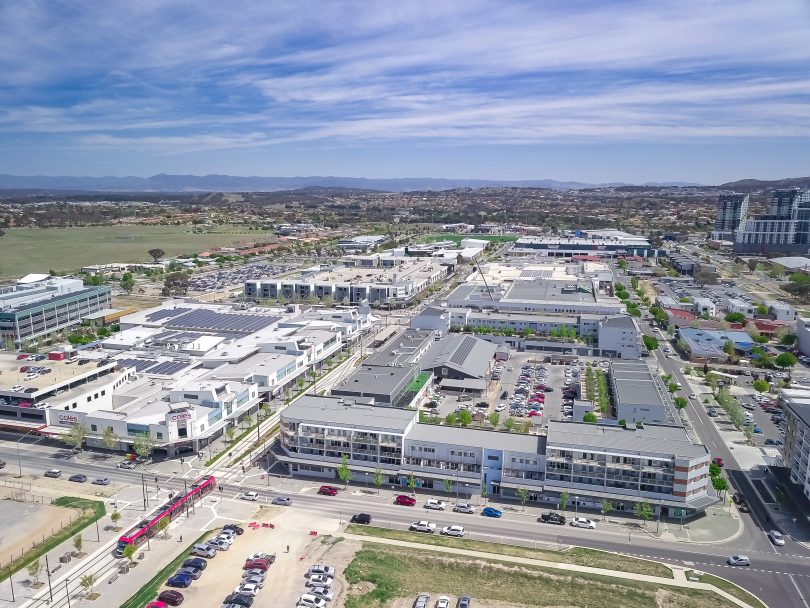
(39, 520)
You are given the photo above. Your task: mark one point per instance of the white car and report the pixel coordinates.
(311, 601)
(225, 538)
(253, 580)
(443, 602)
(500, 407)
(255, 573)
(453, 531)
(248, 589)
(423, 526)
(319, 580)
(322, 592)
(739, 560)
(250, 496)
(693, 396)
(776, 538)
(17, 388)
(258, 555)
(435, 504)
(319, 569)
(583, 522)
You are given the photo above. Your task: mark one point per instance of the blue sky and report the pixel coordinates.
(706, 91)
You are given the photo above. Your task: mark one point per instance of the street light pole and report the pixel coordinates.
(576, 506)
(19, 459)
(67, 591)
(48, 572)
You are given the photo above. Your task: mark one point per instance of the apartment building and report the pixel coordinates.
(785, 228)
(732, 212)
(796, 449)
(39, 305)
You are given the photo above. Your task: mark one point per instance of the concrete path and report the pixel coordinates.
(679, 580)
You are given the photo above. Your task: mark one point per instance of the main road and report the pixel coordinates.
(778, 575)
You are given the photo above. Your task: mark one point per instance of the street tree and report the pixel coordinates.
(643, 510)
(719, 483)
(563, 500)
(589, 417)
(607, 507)
(494, 418)
(143, 445)
(509, 424)
(34, 570)
(115, 517)
(75, 436)
(761, 386)
(411, 482)
(87, 582)
(465, 417)
(786, 360)
(78, 543)
(681, 402)
(748, 431)
(650, 342)
(672, 387)
(163, 527)
(129, 552)
(448, 486)
(379, 478)
(109, 438)
(156, 254)
(451, 419)
(230, 432)
(523, 496)
(175, 284)
(343, 471)
(484, 493)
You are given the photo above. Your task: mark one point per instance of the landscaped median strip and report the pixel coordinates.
(392, 537)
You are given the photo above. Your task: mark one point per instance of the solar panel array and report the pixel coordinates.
(165, 314)
(463, 350)
(167, 368)
(208, 319)
(139, 364)
(176, 336)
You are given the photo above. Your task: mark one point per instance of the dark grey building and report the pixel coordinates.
(784, 229)
(732, 212)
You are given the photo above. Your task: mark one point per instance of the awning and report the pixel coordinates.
(700, 502)
(470, 384)
(21, 425)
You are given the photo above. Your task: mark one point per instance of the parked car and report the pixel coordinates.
(284, 501)
(253, 496)
(171, 597)
(240, 599)
(583, 522)
(253, 580)
(435, 504)
(101, 481)
(321, 569)
(179, 580)
(195, 562)
(203, 550)
(192, 573)
(457, 531)
(491, 512)
(422, 600)
(319, 580)
(254, 574)
(247, 589)
(328, 490)
(256, 564)
(238, 530)
(464, 601)
(404, 499)
(309, 600)
(322, 592)
(423, 526)
(553, 518)
(464, 507)
(443, 602)
(270, 558)
(127, 464)
(361, 518)
(54, 473)
(739, 560)
(718, 461)
(776, 538)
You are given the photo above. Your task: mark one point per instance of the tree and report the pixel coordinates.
(451, 419)
(78, 543)
(786, 360)
(465, 417)
(109, 438)
(589, 417)
(748, 431)
(509, 424)
(728, 347)
(86, 582)
(735, 317)
(523, 496)
(681, 402)
(494, 418)
(607, 507)
(563, 500)
(115, 517)
(672, 387)
(752, 265)
(143, 445)
(643, 510)
(719, 483)
(448, 486)
(714, 469)
(379, 478)
(129, 552)
(163, 527)
(650, 342)
(761, 386)
(343, 471)
(75, 436)
(411, 482)
(34, 570)
(230, 432)
(156, 254)
(787, 339)
(484, 493)
(175, 284)
(762, 309)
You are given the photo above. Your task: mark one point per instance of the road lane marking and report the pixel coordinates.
(801, 596)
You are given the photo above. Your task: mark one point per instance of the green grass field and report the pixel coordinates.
(26, 250)
(457, 238)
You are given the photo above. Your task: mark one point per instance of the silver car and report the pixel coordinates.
(776, 538)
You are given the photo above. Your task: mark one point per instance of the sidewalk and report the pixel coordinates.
(679, 580)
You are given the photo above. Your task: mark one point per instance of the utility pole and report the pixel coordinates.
(48, 573)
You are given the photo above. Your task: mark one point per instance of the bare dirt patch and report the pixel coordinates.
(41, 521)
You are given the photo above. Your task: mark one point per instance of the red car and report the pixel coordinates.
(257, 564)
(157, 604)
(171, 597)
(404, 499)
(719, 462)
(534, 413)
(22, 357)
(328, 490)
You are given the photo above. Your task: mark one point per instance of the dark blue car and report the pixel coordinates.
(179, 580)
(491, 512)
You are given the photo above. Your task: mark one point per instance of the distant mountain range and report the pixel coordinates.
(754, 185)
(232, 183)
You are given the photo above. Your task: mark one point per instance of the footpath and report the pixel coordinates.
(680, 579)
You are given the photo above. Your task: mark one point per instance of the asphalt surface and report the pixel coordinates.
(778, 574)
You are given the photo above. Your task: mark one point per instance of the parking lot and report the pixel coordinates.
(222, 279)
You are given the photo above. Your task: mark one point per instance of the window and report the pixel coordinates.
(493, 457)
(93, 427)
(159, 435)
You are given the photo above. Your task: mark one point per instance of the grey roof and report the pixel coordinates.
(652, 439)
(793, 262)
(466, 354)
(476, 438)
(624, 321)
(633, 383)
(798, 402)
(570, 290)
(432, 311)
(404, 349)
(476, 384)
(375, 380)
(329, 411)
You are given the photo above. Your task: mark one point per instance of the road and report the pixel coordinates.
(778, 575)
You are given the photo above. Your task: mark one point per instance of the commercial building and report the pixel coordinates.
(591, 463)
(785, 228)
(704, 307)
(460, 363)
(397, 285)
(619, 337)
(39, 305)
(796, 449)
(780, 311)
(602, 243)
(740, 306)
(803, 335)
(639, 396)
(362, 243)
(732, 212)
(708, 346)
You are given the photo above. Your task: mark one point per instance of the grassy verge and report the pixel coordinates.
(399, 572)
(728, 587)
(577, 555)
(150, 590)
(92, 510)
(265, 436)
